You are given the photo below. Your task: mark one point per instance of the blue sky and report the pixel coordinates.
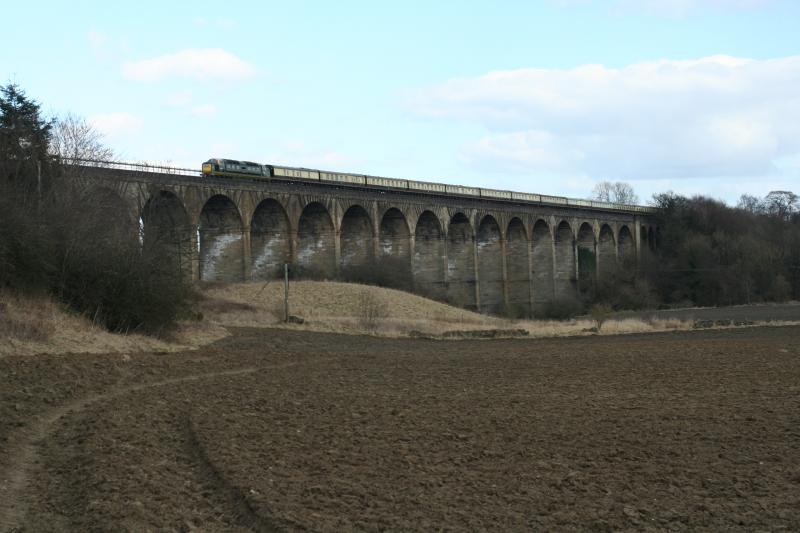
(696, 96)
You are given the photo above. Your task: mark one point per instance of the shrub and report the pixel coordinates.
(600, 313)
(780, 290)
(34, 324)
(560, 309)
(516, 311)
(61, 237)
(371, 310)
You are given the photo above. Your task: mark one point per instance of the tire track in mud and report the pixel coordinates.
(243, 512)
(22, 450)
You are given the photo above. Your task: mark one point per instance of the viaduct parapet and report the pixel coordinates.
(489, 254)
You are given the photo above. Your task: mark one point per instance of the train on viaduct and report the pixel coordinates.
(480, 250)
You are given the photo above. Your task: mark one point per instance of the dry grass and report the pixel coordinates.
(342, 307)
(28, 320)
(35, 325)
(39, 325)
(361, 309)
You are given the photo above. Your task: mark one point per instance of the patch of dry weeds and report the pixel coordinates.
(360, 309)
(39, 325)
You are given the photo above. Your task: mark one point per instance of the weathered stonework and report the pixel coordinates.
(490, 254)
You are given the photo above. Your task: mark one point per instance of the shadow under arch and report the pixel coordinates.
(221, 246)
(565, 262)
(461, 262)
(428, 258)
(542, 265)
(393, 264)
(110, 217)
(316, 246)
(517, 271)
(167, 232)
(356, 239)
(606, 251)
(587, 260)
(490, 266)
(270, 240)
(625, 245)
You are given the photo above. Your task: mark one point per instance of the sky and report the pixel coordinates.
(549, 96)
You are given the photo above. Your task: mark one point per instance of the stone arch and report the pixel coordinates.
(221, 247)
(167, 231)
(606, 255)
(587, 260)
(316, 244)
(113, 218)
(356, 239)
(542, 265)
(642, 238)
(625, 244)
(651, 238)
(490, 265)
(394, 248)
(394, 238)
(428, 256)
(565, 261)
(517, 274)
(269, 240)
(461, 261)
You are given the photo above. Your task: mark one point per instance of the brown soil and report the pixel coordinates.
(280, 430)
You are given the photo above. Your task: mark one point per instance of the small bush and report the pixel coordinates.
(779, 290)
(516, 311)
(27, 330)
(371, 310)
(600, 313)
(560, 309)
(219, 306)
(33, 326)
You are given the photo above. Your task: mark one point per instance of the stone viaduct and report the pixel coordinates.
(487, 254)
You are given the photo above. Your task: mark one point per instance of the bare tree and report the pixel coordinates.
(782, 204)
(74, 138)
(617, 192)
(751, 203)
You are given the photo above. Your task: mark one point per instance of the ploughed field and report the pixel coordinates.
(280, 430)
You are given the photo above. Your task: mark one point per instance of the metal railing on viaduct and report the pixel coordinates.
(491, 252)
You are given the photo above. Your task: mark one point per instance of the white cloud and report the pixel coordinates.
(224, 149)
(98, 42)
(203, 110)
(669, 8)
(116, 124)
(198, 63)
(677, 8)
(179, 99)
(185, 101)
(222, 23)
(714, 116)
(295, 152)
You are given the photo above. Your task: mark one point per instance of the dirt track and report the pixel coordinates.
(272, 430)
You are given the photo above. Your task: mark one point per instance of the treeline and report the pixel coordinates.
(62, 238)
(711, 254)
(707, 254)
